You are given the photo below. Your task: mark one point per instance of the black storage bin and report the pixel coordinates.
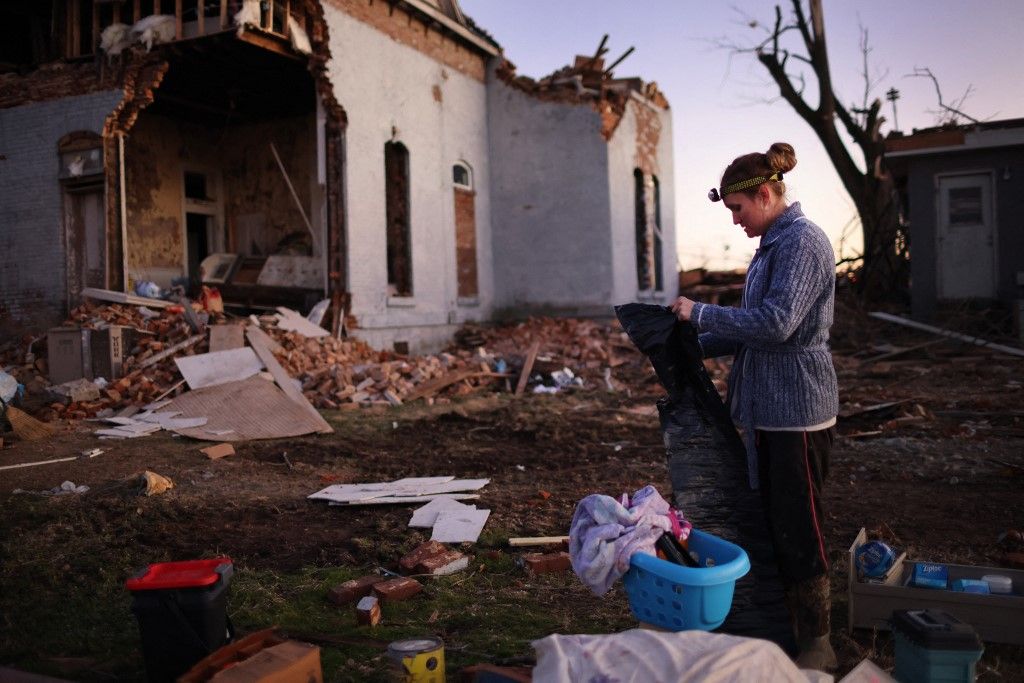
(181, 608)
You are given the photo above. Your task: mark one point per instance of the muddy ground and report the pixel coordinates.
(938, 474)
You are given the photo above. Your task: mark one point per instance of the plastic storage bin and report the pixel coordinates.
(933, 646)
(181, 608)
(679, 598)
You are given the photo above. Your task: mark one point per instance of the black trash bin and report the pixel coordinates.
(181, 608)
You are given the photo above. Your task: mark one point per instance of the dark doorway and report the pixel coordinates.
(197, 231)
(399, 249)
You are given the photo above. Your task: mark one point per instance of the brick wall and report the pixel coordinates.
(32, 261)
(408, 30)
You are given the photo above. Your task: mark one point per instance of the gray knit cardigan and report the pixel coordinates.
(782, 375)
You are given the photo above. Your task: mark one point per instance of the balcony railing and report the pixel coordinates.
(86, 19)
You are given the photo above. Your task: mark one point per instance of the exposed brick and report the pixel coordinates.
(421, 553)
(397, 589)
(537, 563)
(350, 591)
(407, 29)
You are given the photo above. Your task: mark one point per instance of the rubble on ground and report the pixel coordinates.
(334, 373)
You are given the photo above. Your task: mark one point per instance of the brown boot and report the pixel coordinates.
(813, 603)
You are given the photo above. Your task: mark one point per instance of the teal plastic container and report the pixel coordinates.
(679, 598)
(933, 646)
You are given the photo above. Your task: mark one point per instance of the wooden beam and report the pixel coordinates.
(287, 14)
(201, 17)
(223, 14)
(178, 32)
(117, 17)
(286, 383)
(268, 43)
(524, 376)
(136, 10)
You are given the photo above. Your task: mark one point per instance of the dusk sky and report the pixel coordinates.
(720, 102)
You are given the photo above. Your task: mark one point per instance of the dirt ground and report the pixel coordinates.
(937, 474)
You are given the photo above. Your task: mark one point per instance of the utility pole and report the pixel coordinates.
(892, 95)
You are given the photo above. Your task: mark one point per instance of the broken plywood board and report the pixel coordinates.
(459, 526)
(424, 517)
(226, 337)
(405, 500)
(290, 320)
(286, 383)
(181, 346)
(253, 408)
(218, 367)
(410, 487)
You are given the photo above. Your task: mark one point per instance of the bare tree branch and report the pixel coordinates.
(925, 72)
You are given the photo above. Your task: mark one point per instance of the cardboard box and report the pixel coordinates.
(261, 657)
(996, 618)
(75, 352)
(68, 355)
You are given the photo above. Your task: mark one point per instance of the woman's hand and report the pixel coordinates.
(683, 308)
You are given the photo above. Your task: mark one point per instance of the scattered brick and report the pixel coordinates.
(353, 590)
(537, 563)
(421, 553)
(448, 562)
(397, 589)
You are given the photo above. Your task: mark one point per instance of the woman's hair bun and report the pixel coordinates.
(781, 157)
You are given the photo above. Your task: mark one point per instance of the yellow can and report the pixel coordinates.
(417, 660)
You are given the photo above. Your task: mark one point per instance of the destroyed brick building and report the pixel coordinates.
(383, 155)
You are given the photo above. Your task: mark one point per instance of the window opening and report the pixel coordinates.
(399, 250)
(461, 176)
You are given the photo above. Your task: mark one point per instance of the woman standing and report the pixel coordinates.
(782, 388)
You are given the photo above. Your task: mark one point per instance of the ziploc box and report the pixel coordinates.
(929, 576)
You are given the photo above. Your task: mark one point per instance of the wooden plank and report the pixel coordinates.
(287, 13)
(268, 18)
(431, 387)
(226, 337)
(537, 540)
(201, 17)
(977, 341)
(264, 338)
(152, 360)
(123, 298)
(136, 10)
(223, 14)
(900, 352)
(524, 376)
(178, 20)
(117, 16)
(286, 383)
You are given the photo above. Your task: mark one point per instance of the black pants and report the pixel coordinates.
(792, 467)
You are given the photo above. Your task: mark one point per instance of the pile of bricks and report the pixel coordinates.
(335, 373)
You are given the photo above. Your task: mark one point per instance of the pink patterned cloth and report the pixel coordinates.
(605, 533)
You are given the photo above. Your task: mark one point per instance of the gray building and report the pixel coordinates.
(962, 190)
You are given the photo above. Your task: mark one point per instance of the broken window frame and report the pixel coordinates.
(211, 206)
(398, 225)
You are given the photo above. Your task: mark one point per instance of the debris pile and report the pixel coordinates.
(333, 373)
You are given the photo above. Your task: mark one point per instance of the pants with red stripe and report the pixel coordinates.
(792, 467)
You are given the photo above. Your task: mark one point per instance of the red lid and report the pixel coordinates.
(188, 574)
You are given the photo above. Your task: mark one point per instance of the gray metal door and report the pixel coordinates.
(966, 234)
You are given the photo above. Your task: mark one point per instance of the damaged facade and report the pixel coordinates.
(383, 155)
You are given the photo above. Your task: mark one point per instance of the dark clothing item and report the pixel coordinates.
(792, 468)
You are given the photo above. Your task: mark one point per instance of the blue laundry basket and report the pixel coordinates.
(679, 598)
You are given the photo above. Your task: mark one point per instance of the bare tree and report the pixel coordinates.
(885, 269)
